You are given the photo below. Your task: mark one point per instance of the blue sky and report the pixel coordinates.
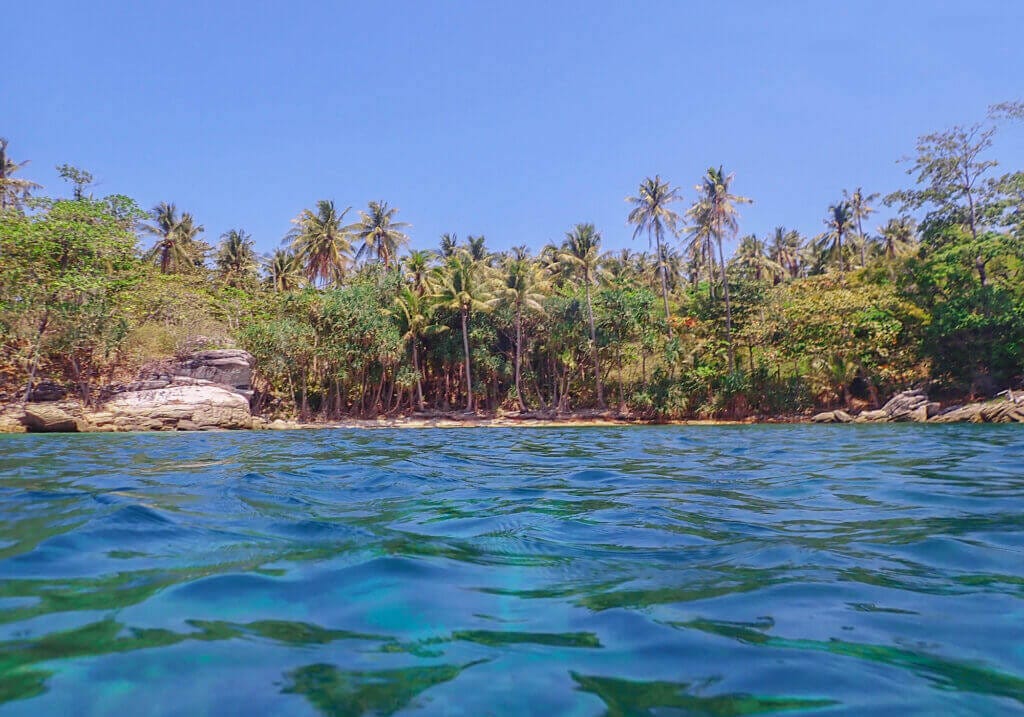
(513, 120)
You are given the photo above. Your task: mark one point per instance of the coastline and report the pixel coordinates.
(173, 413)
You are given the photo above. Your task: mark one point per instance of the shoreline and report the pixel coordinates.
(174, 414)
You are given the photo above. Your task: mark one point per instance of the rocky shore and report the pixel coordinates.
(208, 390)
(915, 406)
(212, 390)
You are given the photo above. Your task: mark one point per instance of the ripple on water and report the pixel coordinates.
(618, 570)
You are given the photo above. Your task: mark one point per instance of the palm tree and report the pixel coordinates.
(417, 269)
(476, 246)
(380, 233)
(751, 256)
(463, 288)
(176, 236)
(897, 239)
(839, 222)
(284, 271)
(13, 190)
(785, 250)
(449, 243)
(652, 213)
(188, 239)
(700, 251)
(860, 209)
(414, 314)
(580, 252)
(236, 258)
(716, 216)
(321, 242)
(520, 284)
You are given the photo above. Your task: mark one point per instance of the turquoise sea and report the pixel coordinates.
(685, 570)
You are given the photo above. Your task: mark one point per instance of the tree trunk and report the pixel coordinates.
(593, 343)
(664, 284)
(728, 308)
(419, 378)
(465, 349)
(518, 359)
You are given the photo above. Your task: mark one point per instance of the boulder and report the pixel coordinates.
(832, 417)
(184, 404)
(48, 418)
(229, 367)
(902, 406)
(12, 420)
(1000, 411)
(47, 391)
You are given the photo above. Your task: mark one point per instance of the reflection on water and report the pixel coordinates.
(618, 571)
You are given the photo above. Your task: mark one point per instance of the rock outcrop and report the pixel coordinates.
(48, 418)
(904, 406)
(1003, 411)
(183, 404)
(227, 367)
(832, 417)
(203, 391)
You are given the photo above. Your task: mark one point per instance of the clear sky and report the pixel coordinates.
(514, 119)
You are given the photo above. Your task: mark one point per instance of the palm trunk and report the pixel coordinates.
(519, 360)
(664, 284)
(419, 377)
(728, 308)
(465, 349)
(593, 343)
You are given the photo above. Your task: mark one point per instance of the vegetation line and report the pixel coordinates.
(345, 321)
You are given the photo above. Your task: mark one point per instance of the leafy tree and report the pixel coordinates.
(62, 268)
(952, 172)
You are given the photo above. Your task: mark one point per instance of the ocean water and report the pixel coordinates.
(578, 571)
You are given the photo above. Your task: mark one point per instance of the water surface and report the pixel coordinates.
(578, 571)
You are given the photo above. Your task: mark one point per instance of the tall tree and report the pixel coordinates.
(175, 247)
(13, 190)
(860, 209)
(321, 242)
(381, 235)
(520, 290)
(581, 251)
(449, 243)
(785, 250)
(752, 257)
(415, 313)
(897, 237)
(652, 213)
(463, 288)
(236, 257)
(716, 212)
(951, 173)
(839, 222)
(284, 271)
(417, 269)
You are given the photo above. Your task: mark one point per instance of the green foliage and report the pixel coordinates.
(786, 324)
